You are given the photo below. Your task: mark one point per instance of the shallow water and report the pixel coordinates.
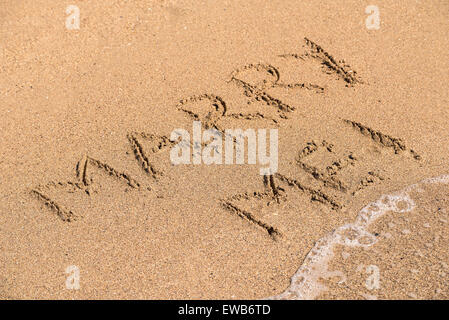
(396, 248)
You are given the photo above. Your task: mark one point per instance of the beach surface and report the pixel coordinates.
(92, 207)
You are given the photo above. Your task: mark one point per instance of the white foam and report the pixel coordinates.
(305, 283)
(441, 179)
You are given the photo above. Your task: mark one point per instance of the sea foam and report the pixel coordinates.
(306, 284)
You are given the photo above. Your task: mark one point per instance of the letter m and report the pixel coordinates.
(238, 136)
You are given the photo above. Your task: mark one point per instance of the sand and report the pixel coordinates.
(87, 185)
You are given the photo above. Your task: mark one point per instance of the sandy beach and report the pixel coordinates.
(355, 204)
